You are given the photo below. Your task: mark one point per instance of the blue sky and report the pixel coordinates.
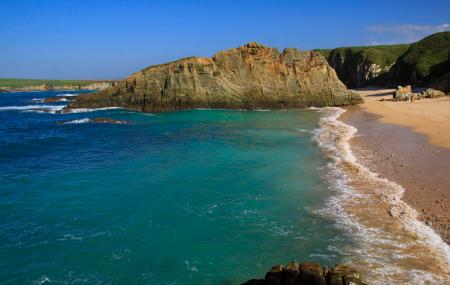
(65, 39)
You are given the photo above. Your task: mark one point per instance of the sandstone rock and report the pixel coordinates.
(248, 77)
(403, 93)
(432, 93)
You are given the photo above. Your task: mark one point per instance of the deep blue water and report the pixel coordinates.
(191, 197)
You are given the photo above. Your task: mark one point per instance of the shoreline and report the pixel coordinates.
(415, 157)
(391, 241)
(408, 159)
(415, 164)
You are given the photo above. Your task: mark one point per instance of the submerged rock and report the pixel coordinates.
(252, 76)
(309, 274)
(98, 120)
(58, 99)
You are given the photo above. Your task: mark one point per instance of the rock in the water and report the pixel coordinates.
(309, 274)
(98, 120)
(275, 276)
(58, 99)
(108, 121)
(248, 77)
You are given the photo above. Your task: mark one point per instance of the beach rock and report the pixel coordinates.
(309, 273)
(403, 93)
(432, 93)
(252, 76)
(312, 273)
(292, 273)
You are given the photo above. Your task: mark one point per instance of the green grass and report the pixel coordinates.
(16, 82)
(383, 55)
(429, 53)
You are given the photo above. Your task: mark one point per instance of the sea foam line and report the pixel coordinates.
(49, 108)
(86, 110)
(334, 137)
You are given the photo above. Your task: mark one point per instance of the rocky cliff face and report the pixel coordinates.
(355, 71)
(248, 77)
(364, 66)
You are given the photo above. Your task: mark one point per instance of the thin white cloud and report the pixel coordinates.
(404, 33)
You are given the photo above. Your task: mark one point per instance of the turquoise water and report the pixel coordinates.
(191, 197)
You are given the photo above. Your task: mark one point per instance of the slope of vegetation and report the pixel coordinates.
(425, 60)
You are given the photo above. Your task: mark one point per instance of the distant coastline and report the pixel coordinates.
(26, 85)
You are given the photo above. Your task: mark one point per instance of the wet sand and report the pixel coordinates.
(389, 144)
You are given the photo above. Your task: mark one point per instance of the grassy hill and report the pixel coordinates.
(425, 60)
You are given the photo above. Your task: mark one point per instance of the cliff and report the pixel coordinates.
(424, 63)
(248, 77)
(361, 66)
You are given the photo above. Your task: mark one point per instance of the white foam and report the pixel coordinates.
(67, 95)
(86, 110)
(48, 108)
(78, 121)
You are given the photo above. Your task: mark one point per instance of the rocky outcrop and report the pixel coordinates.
(406, 93)
(432, 93)
(403, 93)
(248, 77)
(310, 274)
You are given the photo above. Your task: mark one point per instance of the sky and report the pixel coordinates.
(89, 39)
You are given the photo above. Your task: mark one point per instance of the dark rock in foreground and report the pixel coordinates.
(309, 274)
(248, 77)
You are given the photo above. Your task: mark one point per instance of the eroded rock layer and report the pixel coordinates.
(248, 77)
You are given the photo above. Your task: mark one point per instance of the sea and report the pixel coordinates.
(187, 197)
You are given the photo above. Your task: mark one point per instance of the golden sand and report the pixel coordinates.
(430, 117)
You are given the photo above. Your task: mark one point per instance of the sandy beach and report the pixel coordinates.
(408, 143)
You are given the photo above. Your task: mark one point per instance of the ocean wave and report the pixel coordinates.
(78, 121)
(86, 110)
(398, 249)
(67, 95)
(37, 108)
